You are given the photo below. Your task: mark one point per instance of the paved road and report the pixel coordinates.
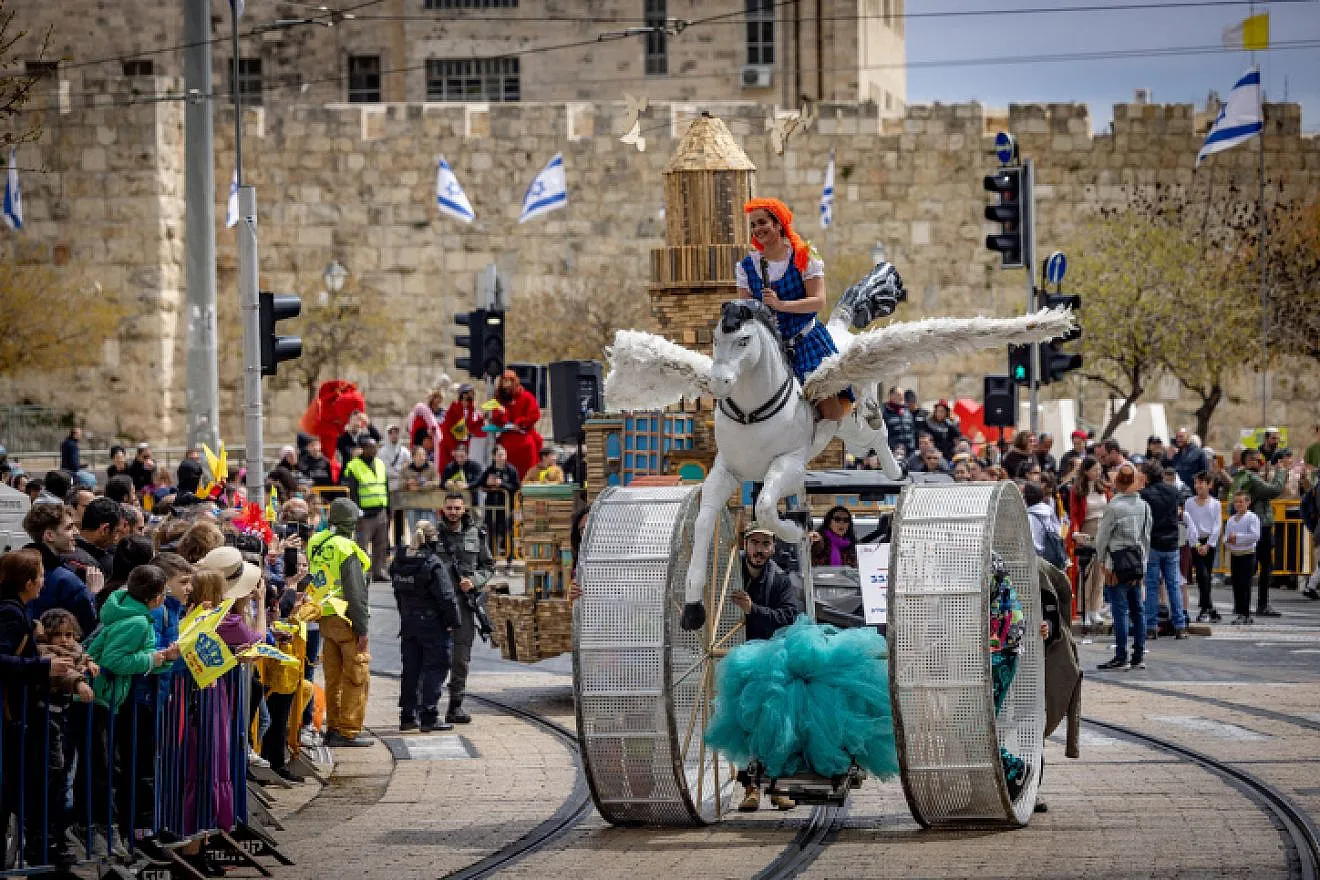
(1124, 810)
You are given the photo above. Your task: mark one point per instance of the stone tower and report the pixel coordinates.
(707, 180)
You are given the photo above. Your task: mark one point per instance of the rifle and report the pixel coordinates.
(476, 603)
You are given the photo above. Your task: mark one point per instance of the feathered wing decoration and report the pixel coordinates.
(879, 354)
(650, 372)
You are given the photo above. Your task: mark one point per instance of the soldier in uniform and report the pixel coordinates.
(462, 545)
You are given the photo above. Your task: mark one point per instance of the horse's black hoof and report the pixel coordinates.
(694, 616)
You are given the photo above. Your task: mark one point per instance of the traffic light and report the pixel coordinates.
(1055, 363)
(1012, 212)
(473, 342)
(492, 343)
(274, 348)
(1000, 402)
(1019, 364)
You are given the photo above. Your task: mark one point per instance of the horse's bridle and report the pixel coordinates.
(765, 411)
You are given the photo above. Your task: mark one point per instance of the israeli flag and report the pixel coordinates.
(13, 196)
(827, 196)
(449, 195)
(548, 191)
(231, 212)
(1239, 119)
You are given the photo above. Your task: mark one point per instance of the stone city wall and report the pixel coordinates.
(356, 183)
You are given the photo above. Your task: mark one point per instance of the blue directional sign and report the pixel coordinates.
(1005, 147)
(1056, 267)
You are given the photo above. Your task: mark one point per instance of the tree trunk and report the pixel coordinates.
(1120, 415)
(1209, 402)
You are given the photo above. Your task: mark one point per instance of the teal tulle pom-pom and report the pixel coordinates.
(812, 698)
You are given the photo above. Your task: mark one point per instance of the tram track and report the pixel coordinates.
(1300, 836)
(1217, 702)
(575, 808)
(820, 830)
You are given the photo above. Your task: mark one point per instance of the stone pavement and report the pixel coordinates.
(1124, 810)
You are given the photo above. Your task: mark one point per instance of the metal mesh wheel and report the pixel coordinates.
(644, 687)
(939, 664)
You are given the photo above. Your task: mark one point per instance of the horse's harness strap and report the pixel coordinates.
(765, 411)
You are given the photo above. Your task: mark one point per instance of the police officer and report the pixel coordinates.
(462, 544)
(338, 569)
(428, 615)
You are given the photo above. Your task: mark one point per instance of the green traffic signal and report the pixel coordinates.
(1020, 374)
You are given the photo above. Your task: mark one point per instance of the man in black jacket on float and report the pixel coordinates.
(1162, 562)
(769, 603)
(428, 616)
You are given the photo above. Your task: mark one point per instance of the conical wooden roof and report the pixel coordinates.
(708, 146)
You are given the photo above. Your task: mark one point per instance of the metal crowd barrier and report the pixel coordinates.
(1293, 551)
(168, 768)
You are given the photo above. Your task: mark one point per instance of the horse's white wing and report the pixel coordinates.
(881, 354)
(650, 372)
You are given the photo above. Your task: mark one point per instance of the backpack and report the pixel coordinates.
(1056, 553)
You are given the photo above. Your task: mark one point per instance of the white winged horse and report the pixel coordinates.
(766, 428)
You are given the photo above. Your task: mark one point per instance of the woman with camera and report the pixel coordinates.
(1121, 547)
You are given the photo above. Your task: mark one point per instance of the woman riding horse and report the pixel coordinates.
(790, 279)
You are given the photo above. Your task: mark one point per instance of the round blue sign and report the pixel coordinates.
(1004, 147)
(1056, 267)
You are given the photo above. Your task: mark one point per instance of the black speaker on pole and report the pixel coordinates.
(576, 390)
(533, 378)
(1001, 404)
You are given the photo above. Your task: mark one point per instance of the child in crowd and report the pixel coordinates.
(59, 636)
(1241, 533)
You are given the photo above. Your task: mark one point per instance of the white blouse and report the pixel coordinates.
(815, 269)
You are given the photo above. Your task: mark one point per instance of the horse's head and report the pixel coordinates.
(744, 336)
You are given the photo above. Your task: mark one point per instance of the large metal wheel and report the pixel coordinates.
(939, 663)
(645, 688)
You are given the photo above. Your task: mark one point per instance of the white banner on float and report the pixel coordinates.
(873, 565)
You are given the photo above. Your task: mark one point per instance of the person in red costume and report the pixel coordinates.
(462, 423)
(517, 415)
(327, 415)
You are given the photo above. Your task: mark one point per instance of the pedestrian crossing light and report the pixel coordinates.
(1012, 211)
(1019, 364)
(276, 349)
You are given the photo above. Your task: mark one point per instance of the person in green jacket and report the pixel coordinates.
(125, 643)
(1262, 483)
(124, 646)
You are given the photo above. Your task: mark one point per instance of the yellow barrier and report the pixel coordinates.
(1293, 553)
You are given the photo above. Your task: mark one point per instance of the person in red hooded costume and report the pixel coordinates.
(517, 415)
(462, 422)
(327, 415)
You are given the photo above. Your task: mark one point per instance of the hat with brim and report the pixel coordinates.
(758, 528)
(241, 578)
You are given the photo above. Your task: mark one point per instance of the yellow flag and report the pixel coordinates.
(203, 651)
(1251, 34)
(261, 650)
(271, 504)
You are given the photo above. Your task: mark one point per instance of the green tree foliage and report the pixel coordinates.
(1135, 272)
(33, 340)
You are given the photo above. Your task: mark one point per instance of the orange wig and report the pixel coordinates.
(780, 212)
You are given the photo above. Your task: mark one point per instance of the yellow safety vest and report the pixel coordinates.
(326, 553)
(373, 488)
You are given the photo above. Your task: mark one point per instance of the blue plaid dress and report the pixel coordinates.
(806, 337)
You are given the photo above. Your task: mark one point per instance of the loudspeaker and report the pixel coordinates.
(576, 388)
(1001, 403)
(533, 378)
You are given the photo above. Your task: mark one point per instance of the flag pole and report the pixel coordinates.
(1264, 289)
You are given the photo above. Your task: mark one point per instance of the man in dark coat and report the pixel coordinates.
(769, 602)
(51, 528)
(1162, 562)
(70, 452)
